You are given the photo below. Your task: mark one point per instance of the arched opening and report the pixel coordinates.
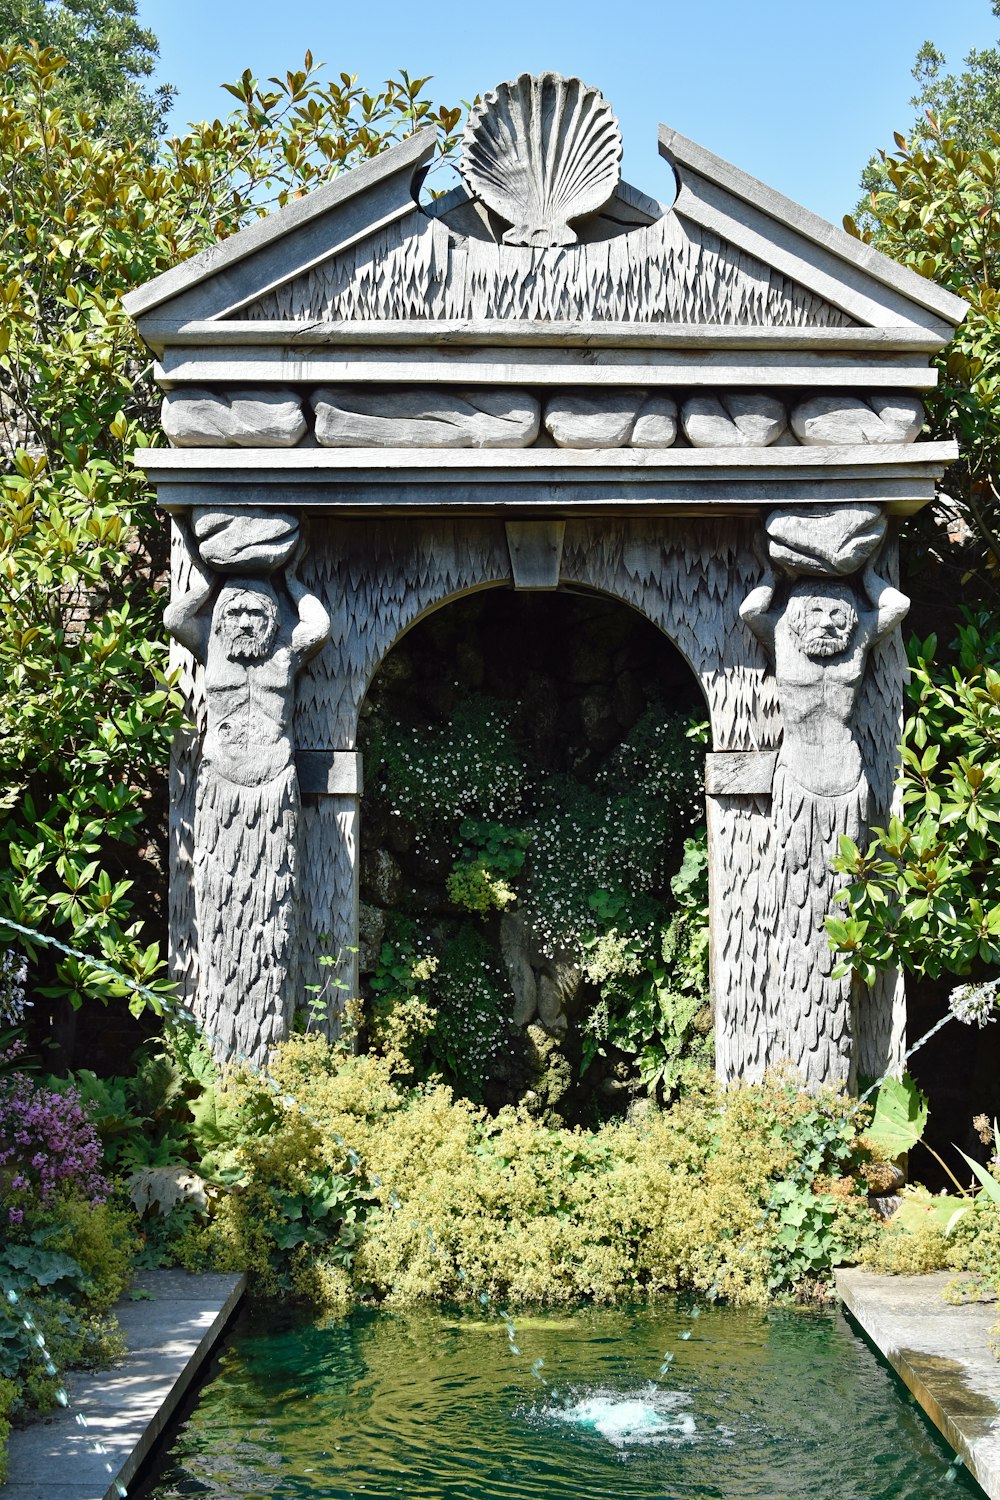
(533, 866)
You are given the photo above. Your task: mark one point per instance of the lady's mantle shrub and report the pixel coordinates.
(747, 1194)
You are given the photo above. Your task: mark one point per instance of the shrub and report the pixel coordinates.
(747, 1194)
(48, 1145)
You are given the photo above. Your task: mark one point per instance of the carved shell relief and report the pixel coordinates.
(542, 151)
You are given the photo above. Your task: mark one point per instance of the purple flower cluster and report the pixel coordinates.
(48, 1142)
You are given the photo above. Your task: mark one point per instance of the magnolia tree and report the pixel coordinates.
(89, 711)
(925, 892)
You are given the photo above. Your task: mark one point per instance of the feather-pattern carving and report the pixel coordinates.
(670, 271)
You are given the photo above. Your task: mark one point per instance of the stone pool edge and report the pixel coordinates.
(170, 1331)
(941, 1353)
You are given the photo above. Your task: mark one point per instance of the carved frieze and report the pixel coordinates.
(611, 419)
(741, 419)
(827, 420)
(379, 416)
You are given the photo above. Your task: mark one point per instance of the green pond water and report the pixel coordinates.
(650, 1403)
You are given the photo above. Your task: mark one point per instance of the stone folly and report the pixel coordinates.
(548, 380)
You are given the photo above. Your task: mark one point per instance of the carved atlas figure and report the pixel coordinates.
(819, 633)
(252, 643)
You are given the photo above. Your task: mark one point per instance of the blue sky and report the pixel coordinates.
(797, 93)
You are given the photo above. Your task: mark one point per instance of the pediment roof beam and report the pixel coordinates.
(845, 272)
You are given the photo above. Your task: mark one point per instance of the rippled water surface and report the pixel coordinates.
(643, 1404)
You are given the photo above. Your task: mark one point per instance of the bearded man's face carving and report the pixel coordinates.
(822, 623)
(247, 623)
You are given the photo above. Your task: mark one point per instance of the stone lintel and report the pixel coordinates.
(330, 773)
(739, 773)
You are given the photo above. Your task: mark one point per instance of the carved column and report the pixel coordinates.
(820, 610)
(248, 620)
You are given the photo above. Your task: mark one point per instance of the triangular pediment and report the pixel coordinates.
(728, 253)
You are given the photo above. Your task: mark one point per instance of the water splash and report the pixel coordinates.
(630, 1419)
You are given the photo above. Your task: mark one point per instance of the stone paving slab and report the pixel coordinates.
(942, 1354)
(169, 1337)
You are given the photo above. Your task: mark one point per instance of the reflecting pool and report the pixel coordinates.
(654, 1403)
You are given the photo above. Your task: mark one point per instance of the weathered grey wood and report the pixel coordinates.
(749, 420)
(214, 270)
(198, 418)
(252, 642)
(501, 365)
(336, 224)
(745, 193)
(330, 898)
(737, 303)
(235, 540)
(535, 552)
(542, 151)
(819, 635)
(669, 502)
(465, 214)
(575, 420)
(656, 424)
(330, 773)
(700, 203)
(663, 272)
(821, 543)
(435, 418)
(365, 334)
(295, 463)
(739, 773)
(842, 419)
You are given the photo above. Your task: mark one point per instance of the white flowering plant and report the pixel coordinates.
(588, 858)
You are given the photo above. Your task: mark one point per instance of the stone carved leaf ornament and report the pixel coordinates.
(542, 151)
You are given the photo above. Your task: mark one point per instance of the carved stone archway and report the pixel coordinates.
(707, 411)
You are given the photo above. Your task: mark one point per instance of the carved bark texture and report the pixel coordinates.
(246, 911)
(816, 1022)
(663, 272)
(743, 902)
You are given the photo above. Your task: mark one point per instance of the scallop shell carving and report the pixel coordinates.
(542, 150)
